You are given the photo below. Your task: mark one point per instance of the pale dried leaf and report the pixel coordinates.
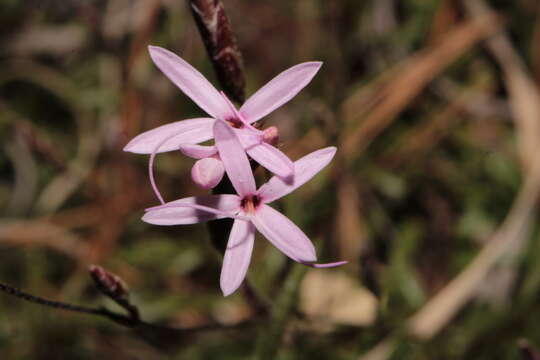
(336, 297)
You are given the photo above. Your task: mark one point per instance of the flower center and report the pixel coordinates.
(235, 123)
(250, 203)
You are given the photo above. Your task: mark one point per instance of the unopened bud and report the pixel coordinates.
(207, 173)
(108, 283)
(271, 135)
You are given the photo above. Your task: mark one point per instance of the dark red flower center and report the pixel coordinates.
(250, 203)
(235, 123)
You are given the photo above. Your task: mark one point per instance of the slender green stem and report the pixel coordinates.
(269, 340)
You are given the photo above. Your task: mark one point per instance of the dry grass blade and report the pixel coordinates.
(524, 98)
(422, 139)
(441, 308)
(523, 93)
(412, 77)
(42, 233)
(433, 316)
(60, 188)
(381, 351)
(25, 179)
(352, 235)
(511, 235)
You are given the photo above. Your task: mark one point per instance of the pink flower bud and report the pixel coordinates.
(207, 172)
(271, 135)
(108, 283)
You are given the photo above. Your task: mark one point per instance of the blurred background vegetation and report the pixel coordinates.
(433, 105)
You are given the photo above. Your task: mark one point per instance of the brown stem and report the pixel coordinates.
(118, 318)
(221, 45)
(161, 335)
(223, 51)
(114, 287)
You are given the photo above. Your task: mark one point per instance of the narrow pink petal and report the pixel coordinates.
(234, 159)
(249, 138)
(232, 109)
(198, 151)
(190, 81)
(284, 234)
(326, 265)
(170, 214)
(156, 149)
(152, 178)
(237, 256)
(168, 137)
(279, 90)
(233, 215)
(273, 159)
(207, 173)
(304, 169)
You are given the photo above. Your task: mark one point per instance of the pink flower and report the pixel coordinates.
(249, 209)
(182, 134)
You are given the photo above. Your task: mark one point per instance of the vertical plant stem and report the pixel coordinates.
(221, 45)
(216, 33)
(270, 337)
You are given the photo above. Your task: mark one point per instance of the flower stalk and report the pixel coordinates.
(221, 45)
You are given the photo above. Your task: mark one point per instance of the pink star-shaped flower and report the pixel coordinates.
(184, 134)
(249, 208)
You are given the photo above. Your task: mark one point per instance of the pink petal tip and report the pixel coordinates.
(326, 265)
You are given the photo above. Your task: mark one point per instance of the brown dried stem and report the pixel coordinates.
(223, 51)
(390, 98)
(159, 333)
(117, 318)
(220, 43)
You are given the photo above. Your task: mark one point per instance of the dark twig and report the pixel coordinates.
(115, 288)
(159, 334)
(118, 318)
(221, 45)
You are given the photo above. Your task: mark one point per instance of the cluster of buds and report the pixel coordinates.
(235, 138)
